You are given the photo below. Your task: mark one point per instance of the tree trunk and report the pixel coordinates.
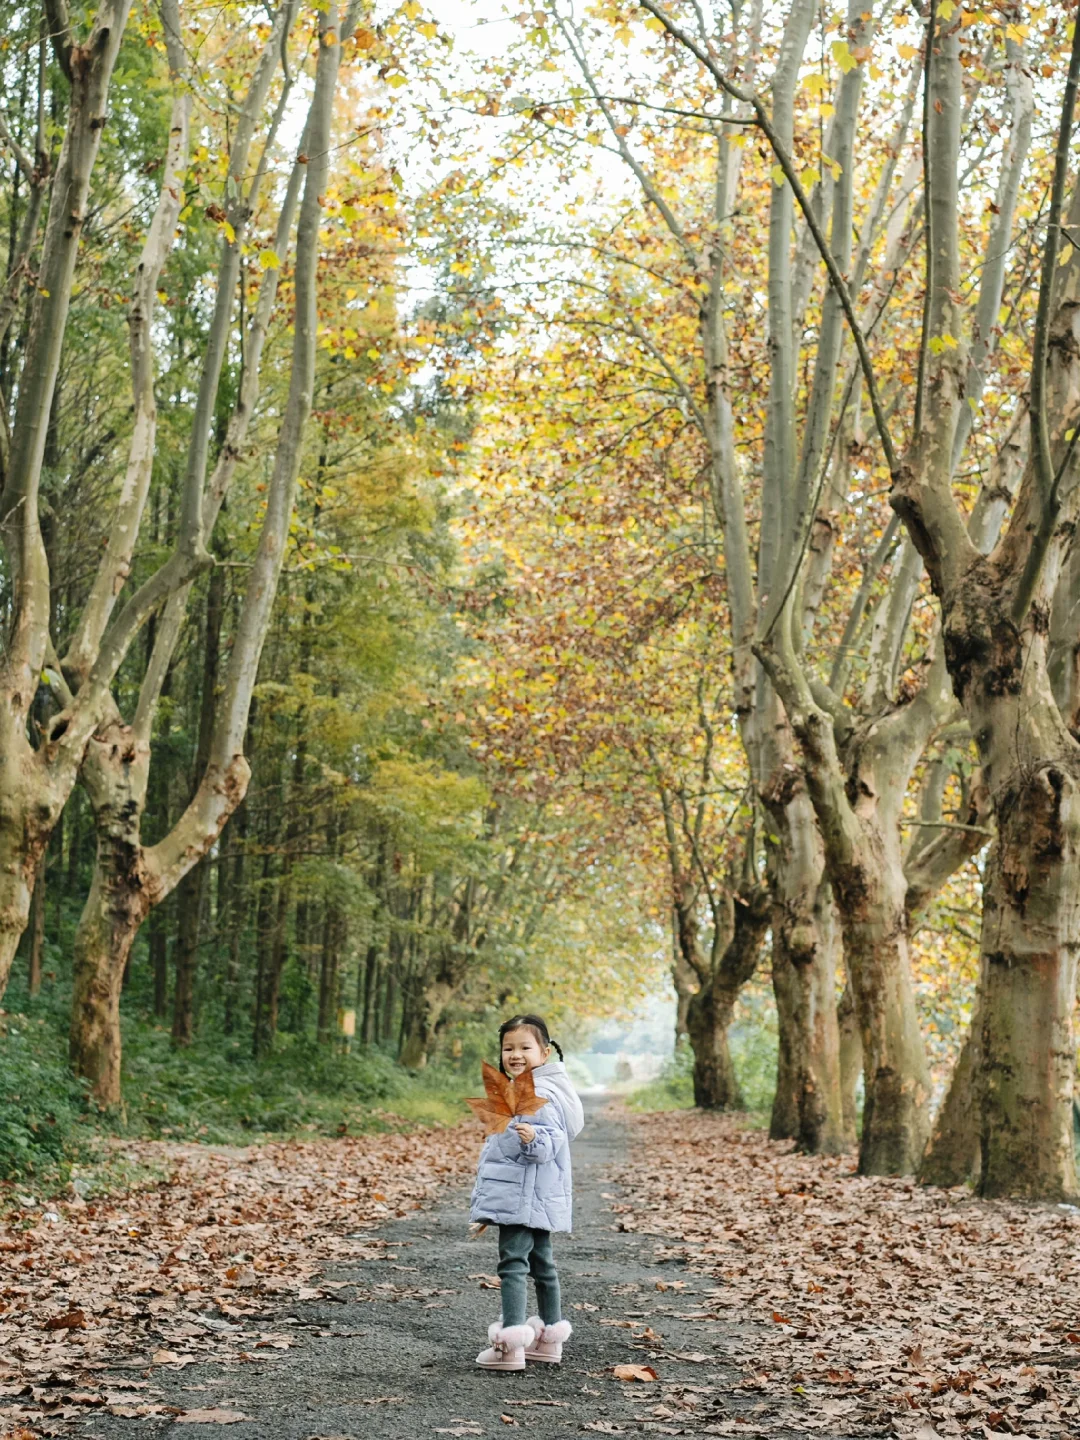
(192, 888)
(37, 928)
(369, 975)
(952, 1156)
(159, 961)
(264, 910)
(1031, 938)
(114, 775)
(329, 965)
(190, 899)
(271, 966)
(805, 950)
(708, 1018)
(428, 999)
(35, 784)
(871, 894)
(851, 1064)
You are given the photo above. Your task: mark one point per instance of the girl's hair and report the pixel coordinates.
(528, 1022)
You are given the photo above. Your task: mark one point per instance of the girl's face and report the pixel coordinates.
(522, 1051)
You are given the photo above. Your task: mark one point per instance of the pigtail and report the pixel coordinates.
(558, 1050)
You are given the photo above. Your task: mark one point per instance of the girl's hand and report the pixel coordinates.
(526, 1132)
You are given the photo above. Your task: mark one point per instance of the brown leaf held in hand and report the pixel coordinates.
(505, 1099)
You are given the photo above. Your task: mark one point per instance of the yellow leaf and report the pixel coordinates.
(815, 83)
(841, 53)
(269, 260)
(373, 354)
(228, 231)
(907, 52)
(946, 9)
(778, 176)
(623, 34)
(411, 9)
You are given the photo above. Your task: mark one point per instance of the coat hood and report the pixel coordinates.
(553, 1081)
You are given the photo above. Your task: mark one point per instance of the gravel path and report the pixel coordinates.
(392, 1358)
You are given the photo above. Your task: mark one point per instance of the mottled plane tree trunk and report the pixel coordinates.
(35, 781)
(855, 763)
(995, 618)
(130, 878)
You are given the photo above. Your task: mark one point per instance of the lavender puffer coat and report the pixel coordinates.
(531, 1184)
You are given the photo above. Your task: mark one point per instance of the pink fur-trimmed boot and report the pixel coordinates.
(508, 1345)
(548, 1344)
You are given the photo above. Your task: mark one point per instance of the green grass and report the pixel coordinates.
(216, 1092)
(673, 1088)
(213, 1092)
(753, 1042)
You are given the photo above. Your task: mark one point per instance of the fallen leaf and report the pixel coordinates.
(635, 1372)
(170, 1357)
(72, 1320)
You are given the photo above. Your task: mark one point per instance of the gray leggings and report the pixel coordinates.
(524, 1252)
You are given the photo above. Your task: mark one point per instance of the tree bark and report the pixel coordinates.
(192, 889)
(159, 868)
(805, 950)
(716, 1086)
(37, 928)
(851, 1064)
(270, 972)
(427, 1001)
(734, 959)
(237, 916)
(159, 961)
(329, 970)
(115, 908)
(952, 1155)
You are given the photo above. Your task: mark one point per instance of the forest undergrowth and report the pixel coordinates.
(52, 1134)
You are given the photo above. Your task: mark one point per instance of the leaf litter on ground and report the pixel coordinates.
(858, 1305)
(191, 1268)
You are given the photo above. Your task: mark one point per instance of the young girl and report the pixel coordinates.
(523, 1185)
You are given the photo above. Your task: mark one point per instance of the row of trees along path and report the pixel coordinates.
(888, 361)
(811, 309)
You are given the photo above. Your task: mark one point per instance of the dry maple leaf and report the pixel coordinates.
(645, 1373)
(505, 1099)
